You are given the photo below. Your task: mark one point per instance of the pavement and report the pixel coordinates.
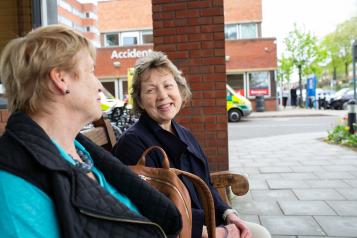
(300, 186)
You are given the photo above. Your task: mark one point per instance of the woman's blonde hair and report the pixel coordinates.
(26, 62)
(156, 61)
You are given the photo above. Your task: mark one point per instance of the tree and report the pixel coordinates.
(303, 51)
(334, 63)
(338, 45)
(346, 33)
(285, 66)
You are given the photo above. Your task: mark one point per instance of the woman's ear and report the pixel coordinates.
(57, 77)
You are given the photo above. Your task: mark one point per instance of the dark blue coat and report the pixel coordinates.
(184, 153)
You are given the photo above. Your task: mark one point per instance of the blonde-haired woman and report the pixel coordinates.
(54, 182)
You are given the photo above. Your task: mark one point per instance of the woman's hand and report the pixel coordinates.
(228, 231)
(243, 228)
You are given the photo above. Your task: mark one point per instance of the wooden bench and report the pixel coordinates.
(103, 135)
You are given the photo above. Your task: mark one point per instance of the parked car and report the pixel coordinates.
(340, 99)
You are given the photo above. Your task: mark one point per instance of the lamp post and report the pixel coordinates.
(354, 58)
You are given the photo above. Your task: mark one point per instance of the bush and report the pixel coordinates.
(340, 135)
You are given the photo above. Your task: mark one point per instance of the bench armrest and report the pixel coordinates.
(224, 180)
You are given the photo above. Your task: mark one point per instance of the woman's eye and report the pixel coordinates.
(169, 86)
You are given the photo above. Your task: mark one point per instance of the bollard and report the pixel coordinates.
(352, 108)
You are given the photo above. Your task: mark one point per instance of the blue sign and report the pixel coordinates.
(311, 86)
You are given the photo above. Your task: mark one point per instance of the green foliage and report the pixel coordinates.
(303, 49)
(285, 69)
(340, 135)
(338, 46)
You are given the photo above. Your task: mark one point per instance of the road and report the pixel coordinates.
(265, 127)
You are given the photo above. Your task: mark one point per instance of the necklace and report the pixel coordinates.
(86, 165)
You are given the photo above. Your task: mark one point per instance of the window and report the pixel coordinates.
(240, 31)
(111, 40)
(248, 30)
(230, 32)
(259, 83)
(147, 37)
(236, 81)
(129, 38)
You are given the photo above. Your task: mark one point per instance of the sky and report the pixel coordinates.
(319, 17)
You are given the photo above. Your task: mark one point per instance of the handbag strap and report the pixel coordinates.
(205, 198)
(201, 187)
(165, 161)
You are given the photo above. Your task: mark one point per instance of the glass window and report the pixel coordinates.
(230, 32)
(129, 38)
(111, 40)
(147, 37)
(248, 30)
(259, 83)
(236, 82)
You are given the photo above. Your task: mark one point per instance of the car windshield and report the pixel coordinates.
(107, 94)
(341, 92)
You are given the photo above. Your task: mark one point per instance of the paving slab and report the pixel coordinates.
(284, 184)
(305, 208)
(299, 176)
(257, 184)
(283, 236)
(291, 225)
(274, 195)
(352, 182)
(327, 183)
(307, 168)
(344, 208)
(257, 208)
(322, 237)
(318, 194)
(348, 193)
(338, 226)
(347, 167)
(275, 169)
(334, 175)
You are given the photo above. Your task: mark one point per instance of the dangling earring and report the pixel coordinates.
(67, 91)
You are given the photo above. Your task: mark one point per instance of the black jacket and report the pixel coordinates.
(83, 207)
(184, 153)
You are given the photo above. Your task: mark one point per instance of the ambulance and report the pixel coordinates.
(237, 105)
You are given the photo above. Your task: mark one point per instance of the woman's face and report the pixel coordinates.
(160, 96)
(84, 89)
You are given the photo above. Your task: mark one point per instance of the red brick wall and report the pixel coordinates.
(253, 54)
(237, 11)
(137, 15)
(269, 104)
(192, 34)
(4, 115)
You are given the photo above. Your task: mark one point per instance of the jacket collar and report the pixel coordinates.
(174, 146)
(31, 136)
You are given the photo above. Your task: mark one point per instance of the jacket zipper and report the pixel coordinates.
(172, 186)
(122, 220)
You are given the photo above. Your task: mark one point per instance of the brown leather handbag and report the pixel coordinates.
(166, 180)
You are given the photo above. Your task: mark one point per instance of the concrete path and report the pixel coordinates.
(300, 186)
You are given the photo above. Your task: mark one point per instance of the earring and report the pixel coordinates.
(67, 91)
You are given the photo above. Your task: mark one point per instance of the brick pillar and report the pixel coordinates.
(191, 33)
